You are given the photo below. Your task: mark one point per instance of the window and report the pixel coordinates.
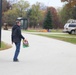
(71, 25)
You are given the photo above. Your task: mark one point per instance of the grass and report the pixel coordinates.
(40, 30)
(63, 37)
(53, 34)
(31, 30)
(4, 46)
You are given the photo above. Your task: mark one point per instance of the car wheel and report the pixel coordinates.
(72, 32)
(75, 31)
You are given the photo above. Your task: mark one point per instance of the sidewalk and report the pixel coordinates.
(44, 56)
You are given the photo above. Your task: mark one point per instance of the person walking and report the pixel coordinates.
(16, 38)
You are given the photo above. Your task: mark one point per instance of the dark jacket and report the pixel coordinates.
(16, 34)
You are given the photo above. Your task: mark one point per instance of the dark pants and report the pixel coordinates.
(17, 50)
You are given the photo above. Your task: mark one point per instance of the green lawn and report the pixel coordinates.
(38, 30)
(63, 37)
(56, 34)
(4, 46)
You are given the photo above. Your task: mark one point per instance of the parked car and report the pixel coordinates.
(70, 28)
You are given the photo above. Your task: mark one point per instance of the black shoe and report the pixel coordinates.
(16, 60)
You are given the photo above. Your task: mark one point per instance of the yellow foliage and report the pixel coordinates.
(71, 3)
(43, 30)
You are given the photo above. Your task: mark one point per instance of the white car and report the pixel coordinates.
(70, 28)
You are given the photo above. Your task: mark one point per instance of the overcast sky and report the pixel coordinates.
(54, 3)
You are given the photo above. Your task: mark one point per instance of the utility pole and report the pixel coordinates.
(0, 20)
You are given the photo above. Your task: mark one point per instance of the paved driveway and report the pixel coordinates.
(44, 56)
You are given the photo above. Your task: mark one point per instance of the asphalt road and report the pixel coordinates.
(44, 56)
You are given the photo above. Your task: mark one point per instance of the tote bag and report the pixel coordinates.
(25, 44)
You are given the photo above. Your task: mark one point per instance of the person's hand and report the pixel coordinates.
(24, 40)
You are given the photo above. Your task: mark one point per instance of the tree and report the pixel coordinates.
(34, 15)
(18, 10)
(28, 16)
(65, 14)
(55, 17)
(21, 7)
(10, 16)
(48, 21)
(5, 5)
(70, 3)
(74, 13)
(5, 8)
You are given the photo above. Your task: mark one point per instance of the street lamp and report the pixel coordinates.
(0, 19)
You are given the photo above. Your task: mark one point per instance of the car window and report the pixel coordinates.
(72, 25)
